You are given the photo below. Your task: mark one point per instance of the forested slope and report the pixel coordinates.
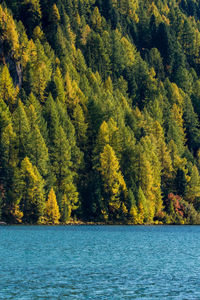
(99, 111)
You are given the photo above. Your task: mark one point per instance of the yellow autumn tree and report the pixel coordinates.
(193, 188)
(9, 35)
(114, 185)
(96, 18)
(109, 134)
(128, 7)
(103, 136)
(52, 210)
(129, 51)
(7, 90)
(85, 33)
(55, 15)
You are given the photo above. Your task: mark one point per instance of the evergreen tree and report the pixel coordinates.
(22, 129)
(180, 182)
(8, 157)
(61, 164)
(65, 210)
(31, 14)
(29, 189)
(192, 126)
(80, 125)
(91, 90)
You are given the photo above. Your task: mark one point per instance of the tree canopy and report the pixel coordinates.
(100, 111)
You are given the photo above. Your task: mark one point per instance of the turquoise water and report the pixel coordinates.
(99, 262)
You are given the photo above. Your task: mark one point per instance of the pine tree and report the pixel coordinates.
(8, 157)
(180, 182)
(8, 165)
(61, 157)
(31, 14)
(68, 127)
(61, 164)
(80, 125)
(65, 210)
(22, 129)
(192, 126)
(52, 117)
(35, 115)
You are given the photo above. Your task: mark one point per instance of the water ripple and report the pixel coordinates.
(99, 262)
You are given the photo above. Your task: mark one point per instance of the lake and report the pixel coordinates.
(99, 262)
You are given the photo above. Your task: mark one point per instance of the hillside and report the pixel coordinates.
(99, 111)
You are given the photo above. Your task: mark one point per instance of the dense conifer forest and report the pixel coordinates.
(100, 111)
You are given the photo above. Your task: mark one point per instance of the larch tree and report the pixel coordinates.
(29, 188)
(9, 35)
(38, 151)
(114, 184)
(193, 187)
(52, 214)
(8, 92)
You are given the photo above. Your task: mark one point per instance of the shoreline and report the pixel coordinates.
(81, 223)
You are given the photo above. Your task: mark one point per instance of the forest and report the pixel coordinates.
(100, 111)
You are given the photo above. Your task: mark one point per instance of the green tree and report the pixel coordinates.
(80, 125)
(68, 127)
(180, 182)
(35, 115)
(51, 117)
(65, 210)
(22, 129)
(8, 157)
(29, 189)
(59, 86)
(192, 126)
(38, 151)
(31, 14)
(143, 213)
(193, 187)
(61, 164)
